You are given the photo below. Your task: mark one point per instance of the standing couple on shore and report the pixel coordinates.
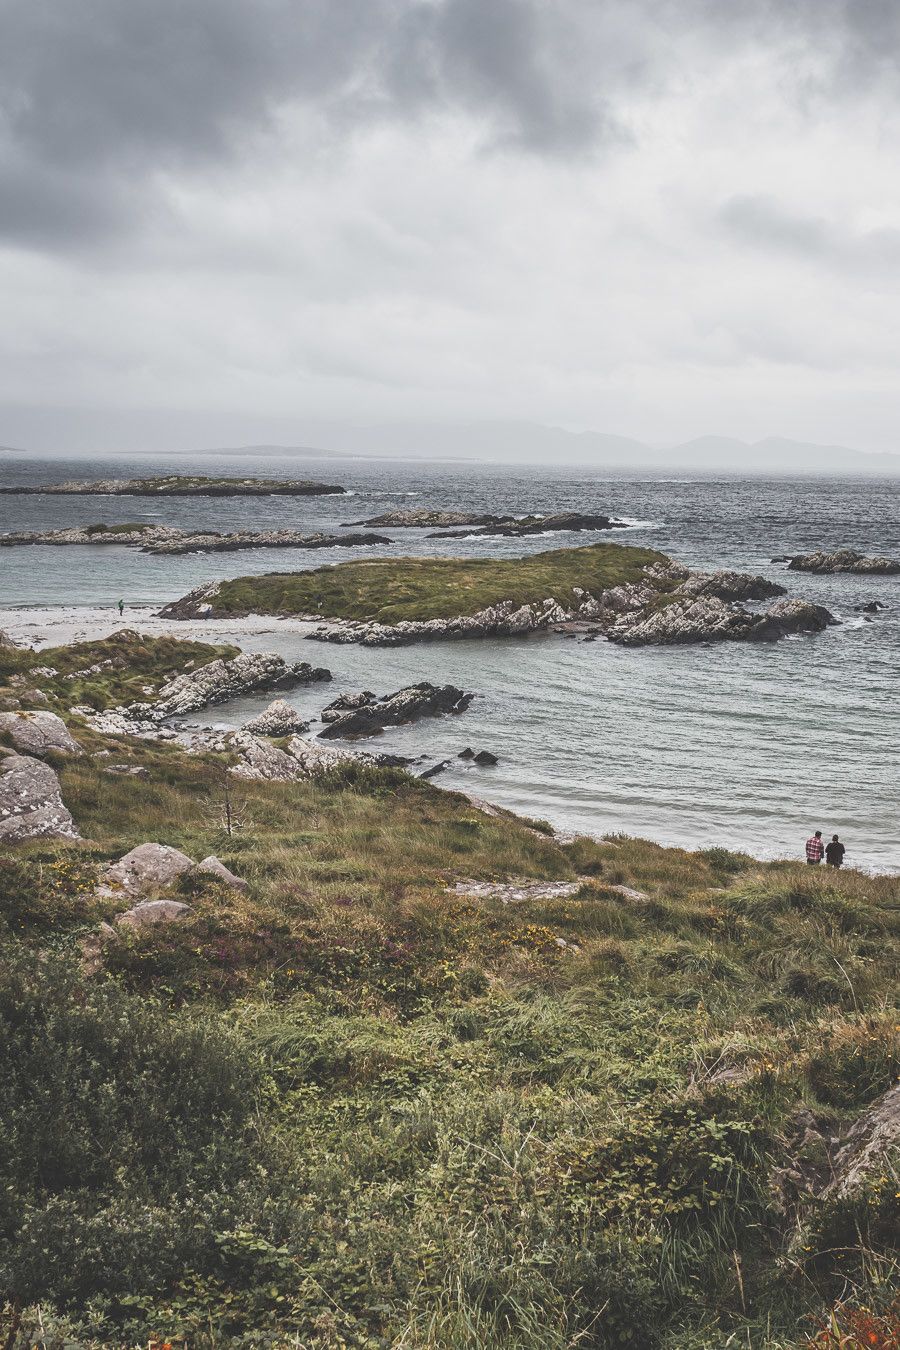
(832, 852)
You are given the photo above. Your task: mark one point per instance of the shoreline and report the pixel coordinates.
(46, 626)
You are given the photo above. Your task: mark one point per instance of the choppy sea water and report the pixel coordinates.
(746, 746)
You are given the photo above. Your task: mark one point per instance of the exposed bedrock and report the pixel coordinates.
(709, 619)
(217, 682)
(406, 705)
(844, 560)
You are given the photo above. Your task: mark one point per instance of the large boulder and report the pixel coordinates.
(406, 705)
(34, 733)
(146, 869)
(279, 719)
(31, 804)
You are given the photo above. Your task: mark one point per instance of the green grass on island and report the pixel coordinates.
(349, 1108)
(392, 590)
(123, 668)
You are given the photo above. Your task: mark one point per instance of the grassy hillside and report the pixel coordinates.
(351, 1109)
(395, 589)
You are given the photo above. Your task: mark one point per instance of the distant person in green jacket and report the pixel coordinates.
(834, 852)
(121, 608)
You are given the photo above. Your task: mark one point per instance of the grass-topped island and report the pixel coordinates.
(631, 595)
(180, 485)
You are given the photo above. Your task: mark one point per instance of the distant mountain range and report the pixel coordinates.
(532, 443)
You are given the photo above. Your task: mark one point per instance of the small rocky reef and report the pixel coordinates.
(179, 485)
(844, 560)
(449, 524)
(365, 714)
(167, 539)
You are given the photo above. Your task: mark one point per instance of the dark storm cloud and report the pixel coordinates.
(99, 96)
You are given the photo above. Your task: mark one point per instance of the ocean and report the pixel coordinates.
(745, 746)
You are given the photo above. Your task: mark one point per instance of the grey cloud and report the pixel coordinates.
(763, 222)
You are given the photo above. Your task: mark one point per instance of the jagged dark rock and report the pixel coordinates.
(345, 703)
(485, 758)
(517, 528)
(844, 560)
(406, 705)
(421, 518)
(871, 607)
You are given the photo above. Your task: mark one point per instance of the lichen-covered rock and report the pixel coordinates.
(279, 719)
(406, 705)
(313, 759)
(150, 913)
(31, 805)
(873, 1141)
(147, 868)
(844, 560)
(214, 867)
(506, 619)
(34, 733)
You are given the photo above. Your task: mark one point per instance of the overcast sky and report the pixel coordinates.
(660, 218)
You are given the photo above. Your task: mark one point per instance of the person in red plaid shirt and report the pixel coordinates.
(815, 849)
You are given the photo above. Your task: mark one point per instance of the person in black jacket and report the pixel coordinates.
(834, 852)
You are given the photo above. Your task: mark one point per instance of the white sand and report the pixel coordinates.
(54, 626)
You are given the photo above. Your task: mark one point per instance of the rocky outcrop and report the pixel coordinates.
(709, 619)
(279, 719)
(180, 485)
(31, 805)
(421, 518)
(844, 560)
(520, 528)
(345, 703)
(484, 758)
(406, 705)
(217, 682)
(5, 639)
(506, 619)
(36, 733)
(234, 543)
(871, 1142)
(731, 586)
(166, 539)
